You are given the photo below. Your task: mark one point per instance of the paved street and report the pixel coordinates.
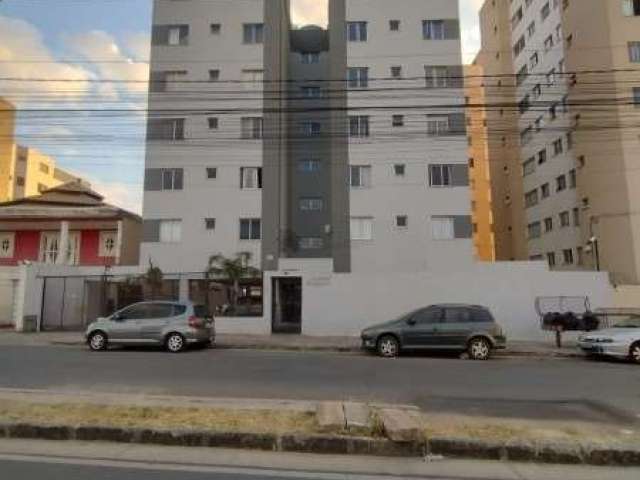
(37, 459)
(528, 388)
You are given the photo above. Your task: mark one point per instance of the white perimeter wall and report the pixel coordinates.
(344, 304)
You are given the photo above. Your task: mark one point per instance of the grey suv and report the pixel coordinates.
(171, 324)
(469, 328)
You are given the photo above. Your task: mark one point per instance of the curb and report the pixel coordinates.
(550, 452)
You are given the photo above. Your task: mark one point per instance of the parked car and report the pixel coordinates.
(463, 328)
(173, 325)
(622, 340)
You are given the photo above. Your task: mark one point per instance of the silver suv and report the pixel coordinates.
(171, 324)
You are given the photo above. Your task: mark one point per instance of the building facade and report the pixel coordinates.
(573, 66)
(342, 146)
(7, 148)
(68, 225)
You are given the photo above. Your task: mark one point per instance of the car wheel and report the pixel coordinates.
(388, 346)
(634, 352)
(479, 349)
(98, 341)
(175, 343)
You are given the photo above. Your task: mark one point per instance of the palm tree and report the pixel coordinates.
(231, 269)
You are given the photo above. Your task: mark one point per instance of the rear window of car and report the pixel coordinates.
(201, 311)
(178, 309)
(480, 315)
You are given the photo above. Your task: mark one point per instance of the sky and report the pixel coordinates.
(90, 41)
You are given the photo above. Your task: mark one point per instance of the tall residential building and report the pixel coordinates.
(576, 66)
(341, 148)
(7, 131)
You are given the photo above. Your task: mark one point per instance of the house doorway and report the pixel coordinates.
(286, 305)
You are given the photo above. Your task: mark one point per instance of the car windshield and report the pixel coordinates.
(630, 322)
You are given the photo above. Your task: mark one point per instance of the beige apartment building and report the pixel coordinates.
(562, 87)
(25, 171)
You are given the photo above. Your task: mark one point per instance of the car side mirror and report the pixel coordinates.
(116, 317)
(411, 321)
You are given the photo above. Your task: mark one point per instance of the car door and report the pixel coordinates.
(125, 324)
(159, 315)
(457, 325)
(421, 328)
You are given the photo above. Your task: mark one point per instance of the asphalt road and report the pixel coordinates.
(527, 388)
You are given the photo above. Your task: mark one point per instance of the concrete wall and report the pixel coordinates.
(508, 289)
(10, 279)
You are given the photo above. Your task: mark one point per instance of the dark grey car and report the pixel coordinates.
(173, 325)
(456, 327)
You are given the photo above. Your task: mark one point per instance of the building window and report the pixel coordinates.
(311, 129)
(542, 156)
(576, 217)
(44, 168)
(7, 241)
(545, 12)
(551, 259)
(572, 179)
(20, 181)
(529, 167)
(580, 253)
(166, 129)
(170, 231)
(567, 255)
(252, 33)
(49, 247)
(172, 35)
(250, 229)
(214, 75)
(311, 92)
(172, 178)
(531, 198)
(557, 147)
(437, 125)
(394, 25)
(433, 29)
(534, 230)
(358, 77)
(108, 244)
(359, 126)
(210, 223)
(545, 191)
(634, 52)
(308, 58)
(396, 72)
(212, 173)
(636, 96)
(561, 183)
(441, 175)
(213, 123)
(250, 178)
(361, 228)
(215, 29)
(251, 128)
(310, 243)
(443, 228)
(308, 166)
(311, 204)
(402, 221)
(399, 169)
(564, 219)
(357, 31)
(437, 77)
(252, 78)
(397, 121)
(548, 224)
(631, 8)
(360, 176)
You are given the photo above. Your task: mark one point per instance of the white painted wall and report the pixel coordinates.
(9, 290)
(409, 249)
(345, 304)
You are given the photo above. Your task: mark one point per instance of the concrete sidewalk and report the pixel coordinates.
(290, 343)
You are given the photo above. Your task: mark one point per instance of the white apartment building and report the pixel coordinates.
(552, 212)
(343, 146)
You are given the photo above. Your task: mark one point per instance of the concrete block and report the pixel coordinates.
(357, 417)
(613, 455)
(559, 452)
(315, 444)
(330, 416)
(466, 448)
(256, 441)
(106, 434)
(399, 426)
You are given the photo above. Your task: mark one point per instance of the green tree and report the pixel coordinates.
(231, 269)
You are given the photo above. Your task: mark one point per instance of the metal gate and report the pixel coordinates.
(64, 303)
